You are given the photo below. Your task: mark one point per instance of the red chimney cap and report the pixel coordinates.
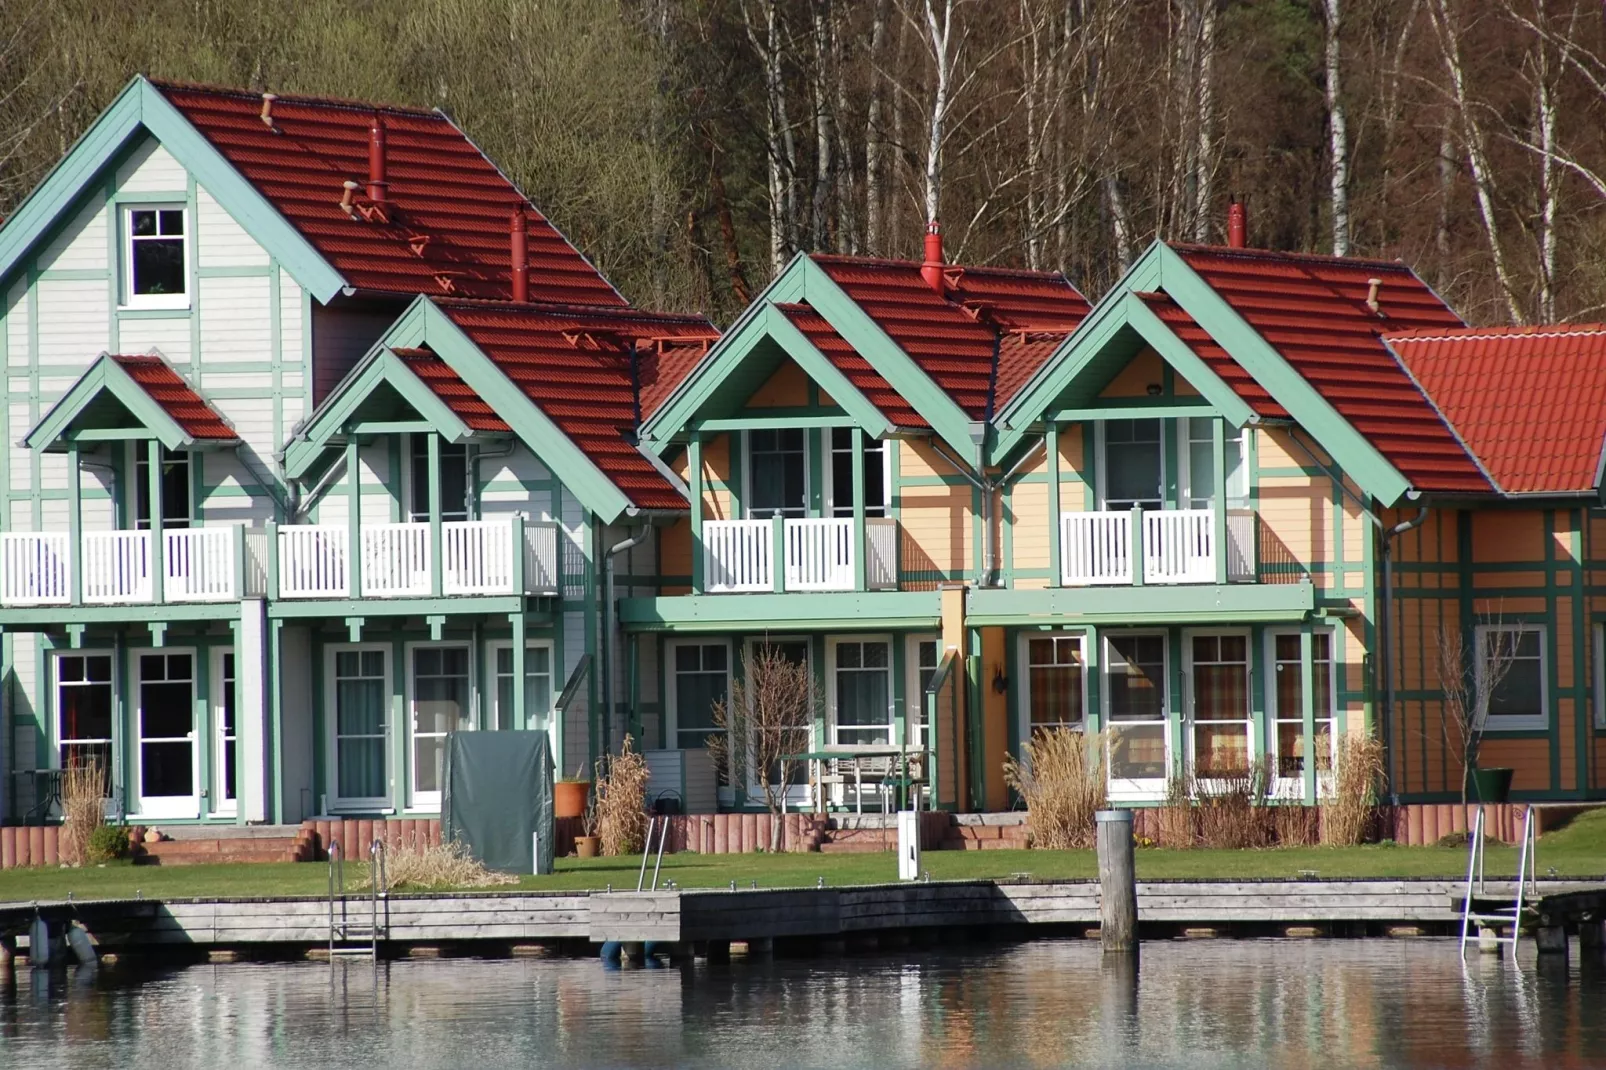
(931, 270)
(1237, 224)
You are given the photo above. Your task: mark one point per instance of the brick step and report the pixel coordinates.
(952, 844)
(189, 852)
(853, 847)
(167, 858)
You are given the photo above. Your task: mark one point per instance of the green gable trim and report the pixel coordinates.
(899, 369)
(142, 106)
(716, 375)
(1356, 456)
(335, 417)
(105, 379)
(424, 324)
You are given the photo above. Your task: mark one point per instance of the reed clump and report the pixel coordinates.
(1060, 775)
(620, 790)
(1350, 809)
(83, 794)
(1232, 814)
(435, 865)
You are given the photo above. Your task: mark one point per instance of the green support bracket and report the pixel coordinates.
(778, 553)
(354, 628)
(1052, 444)
(435, 548)
(858, 509)
(75, 526)
(694, 466)
(1218, 518)
(437, 626)
(273, 559)
(75, 635)
(154, 452)
(520, 710)
(158, 633)
(1137, 545)
(238, 580)
(353, 520)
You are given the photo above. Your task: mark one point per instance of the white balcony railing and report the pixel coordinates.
(395, 560)
(881, 553)
(312, 561)
(819, 554)
(198, 565)
(738, 555)
(117, 567)
(1177, 546)
(477, 558)
(37, 568)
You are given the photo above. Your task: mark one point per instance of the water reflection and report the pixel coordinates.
(1293, 1004)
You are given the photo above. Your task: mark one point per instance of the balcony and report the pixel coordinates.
(816, 555)
(227, 563)
(478, 557)
(1174, 546)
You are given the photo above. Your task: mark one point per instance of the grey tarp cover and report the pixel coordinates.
(497, 793)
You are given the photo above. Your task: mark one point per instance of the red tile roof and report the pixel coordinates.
(177, 398)
(447, 228)
(1529, 402)
(954, 337)
(661, 369)
(875, 388)
(1313, 311)
(580, 367)
(450, 388)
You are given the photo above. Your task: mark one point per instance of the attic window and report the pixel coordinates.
(155, 257)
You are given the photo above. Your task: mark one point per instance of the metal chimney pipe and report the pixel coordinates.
(931, 270)
(377, 186)
(1237, 224)
(519, 269)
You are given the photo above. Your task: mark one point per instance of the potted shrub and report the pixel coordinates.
(588, 844)
(570, 795)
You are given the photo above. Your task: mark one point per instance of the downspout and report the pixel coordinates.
(608, 614)
(1386, 627)
(991, 558)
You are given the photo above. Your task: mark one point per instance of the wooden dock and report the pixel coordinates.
(696, 916)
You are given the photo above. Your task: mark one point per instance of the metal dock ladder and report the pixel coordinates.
(1487, 912)
(346, 936)
(661, 826)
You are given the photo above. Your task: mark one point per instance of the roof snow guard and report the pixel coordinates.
(1528, 402)
(427, 212)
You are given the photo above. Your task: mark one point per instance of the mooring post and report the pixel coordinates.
(1118, 885)
(1551, 940)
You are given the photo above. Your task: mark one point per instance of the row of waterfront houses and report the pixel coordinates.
(321, 443)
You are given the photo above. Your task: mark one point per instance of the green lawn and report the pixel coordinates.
(1578, 850)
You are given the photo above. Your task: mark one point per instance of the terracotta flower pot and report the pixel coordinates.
(569, 798)
(588, 846)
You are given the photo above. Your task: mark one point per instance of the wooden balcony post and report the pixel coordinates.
(857, 546)
(75, 525)
(519, 710)
(1218, 521)
(435, 548)
(1137, 546)
(158, 564)
(521, 577)
(1051, 436)
(694, 471)
(1307, 691)
(237, 565)
(778, 553)
(353, 519)
(273, 559)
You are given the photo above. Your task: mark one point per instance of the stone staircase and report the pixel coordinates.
(189, 845)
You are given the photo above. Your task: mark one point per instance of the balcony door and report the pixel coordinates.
(166, 773)
(453, 477)
(225, 733)
(777, 474)
(358, 703)
(1131, 464)
(839, 475)
(799, 652)
(175, 493)
(1221, 744)
(1136, 701)
(439, 701)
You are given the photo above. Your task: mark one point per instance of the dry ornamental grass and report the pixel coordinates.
(440, 865)
(621, 794)
(83, 791)
(1347, 814)
(1061, 777)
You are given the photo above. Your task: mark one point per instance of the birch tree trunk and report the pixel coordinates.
(874, 135)
(1338, 134)
(824, 164)
(939, 37)
(1205, 155)
(777, 133)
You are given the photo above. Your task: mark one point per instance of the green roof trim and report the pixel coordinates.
(381, 368)
(107, 390)
(1356, 456)
(141, 106)
(424, 324)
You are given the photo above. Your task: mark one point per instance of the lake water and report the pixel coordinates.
(1197, 1005)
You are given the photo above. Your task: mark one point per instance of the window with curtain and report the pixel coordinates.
(1201, 489)
(1054, 681)
(875, 473)
(777, 466)
(538, 696)
(1135, 688)
(453, 475)
(1517, 698)
(1288, 693)
(863, 678)
(362, 698)
(440, 706)
(1221, 719)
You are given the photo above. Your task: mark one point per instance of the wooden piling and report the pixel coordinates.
(1118, 885)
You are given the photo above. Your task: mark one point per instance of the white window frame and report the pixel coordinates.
(1237, 496)
(1294, 787)
(125, 220)
(1126, 788)
(415, 499)
(366, 804)
(217, 801)
(831, 727)
(56, 657)
(914, 705)
(1103, 455)
(173, 806)
(1510, 722)
(430, 801)
(831, 503)
(672, 694)
(796, 793)
(493, 692)
(747, 474)
(1189, 695)
(1023, 707)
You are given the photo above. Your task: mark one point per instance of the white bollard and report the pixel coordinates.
(908, 845)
